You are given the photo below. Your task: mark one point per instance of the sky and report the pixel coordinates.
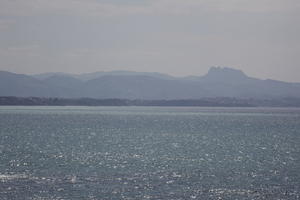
(176, 37)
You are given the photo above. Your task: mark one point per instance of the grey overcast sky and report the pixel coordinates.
(177, 37)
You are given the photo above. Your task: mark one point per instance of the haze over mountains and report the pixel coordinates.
(218, 82)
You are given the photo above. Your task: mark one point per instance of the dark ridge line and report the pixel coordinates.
(203, 102)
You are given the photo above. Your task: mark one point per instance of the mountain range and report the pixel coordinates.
(218, 82)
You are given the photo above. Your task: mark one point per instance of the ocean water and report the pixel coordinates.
(70, 153)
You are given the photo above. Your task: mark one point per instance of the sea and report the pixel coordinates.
(137, 153)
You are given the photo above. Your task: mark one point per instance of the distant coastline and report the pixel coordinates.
(203, 102)
(235, 85)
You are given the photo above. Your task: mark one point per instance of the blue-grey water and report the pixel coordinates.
(70, 153)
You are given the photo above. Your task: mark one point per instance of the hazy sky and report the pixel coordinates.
(178, 37)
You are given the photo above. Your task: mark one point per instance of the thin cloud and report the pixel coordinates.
(6, 24)
(66, 7)
(95, 8)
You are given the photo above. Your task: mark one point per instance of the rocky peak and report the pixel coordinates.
(225, 73)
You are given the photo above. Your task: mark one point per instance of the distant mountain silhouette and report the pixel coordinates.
(224, 75)
(218, 82)
(94, 75)
(12, 84)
